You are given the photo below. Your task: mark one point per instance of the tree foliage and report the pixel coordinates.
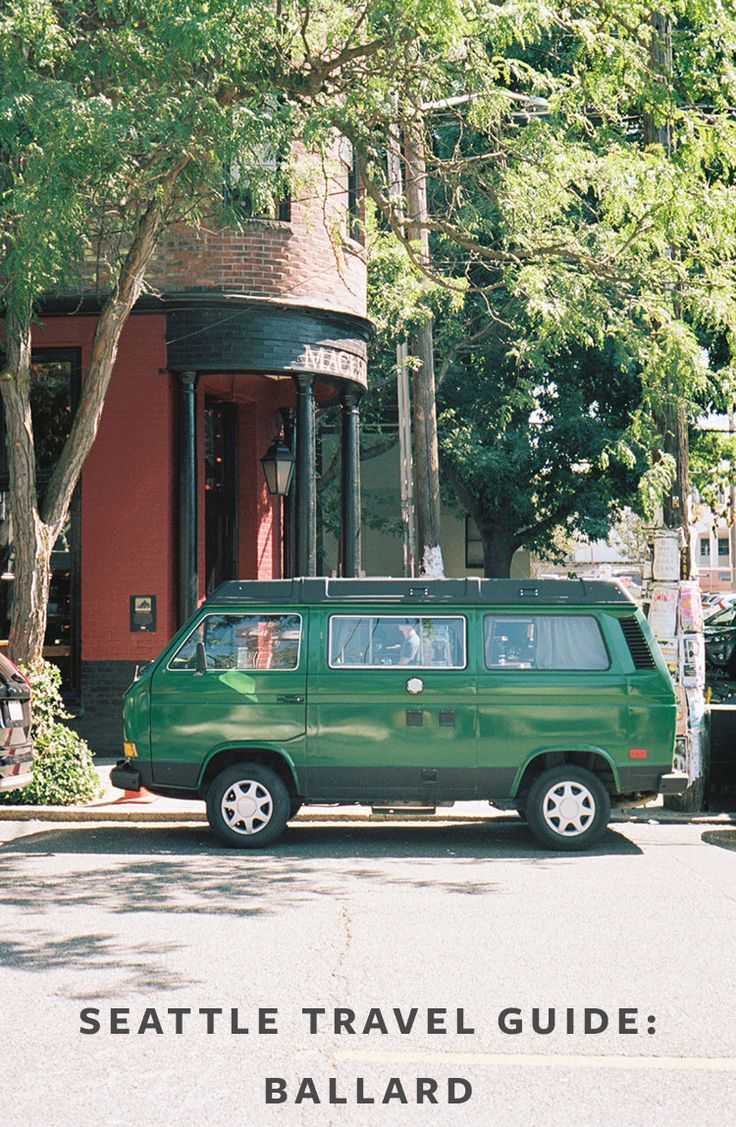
(582, 204)
(549, 201)
(533, 454)
(119, 118)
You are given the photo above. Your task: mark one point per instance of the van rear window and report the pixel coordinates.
(557, 642)
(372, 641)
(243, 641)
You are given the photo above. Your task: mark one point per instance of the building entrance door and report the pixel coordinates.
(220, 492)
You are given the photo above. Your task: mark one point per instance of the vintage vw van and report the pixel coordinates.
(548, 697)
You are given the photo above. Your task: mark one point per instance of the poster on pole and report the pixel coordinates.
(666, 568)
(663, 612)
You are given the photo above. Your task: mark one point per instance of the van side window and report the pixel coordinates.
(371, 641)
(559, 642)
(243, 641)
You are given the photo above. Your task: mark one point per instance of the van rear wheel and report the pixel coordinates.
(568, 808)
(248, 806)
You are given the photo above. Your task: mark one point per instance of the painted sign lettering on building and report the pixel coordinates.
(332, 362)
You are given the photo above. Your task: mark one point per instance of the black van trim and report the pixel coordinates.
(504, 592)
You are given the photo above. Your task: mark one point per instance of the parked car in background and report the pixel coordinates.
(718, 600)
(16, 748)
(720, 641)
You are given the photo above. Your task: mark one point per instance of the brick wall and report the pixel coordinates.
(308, 260)
(100, 720)
(128, 491)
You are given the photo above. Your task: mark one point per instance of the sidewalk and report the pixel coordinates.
(113, 806)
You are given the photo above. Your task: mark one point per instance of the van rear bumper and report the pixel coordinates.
(651, 780)
(16, 769)
(676, 782)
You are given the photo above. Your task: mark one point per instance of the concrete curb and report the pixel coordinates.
(140, 814)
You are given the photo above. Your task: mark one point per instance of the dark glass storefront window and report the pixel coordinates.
(54, 395)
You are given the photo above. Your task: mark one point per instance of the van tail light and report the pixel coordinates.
(638, 753)
(20, 672)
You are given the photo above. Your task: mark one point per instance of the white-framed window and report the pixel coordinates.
(372, 641)
(544, 641)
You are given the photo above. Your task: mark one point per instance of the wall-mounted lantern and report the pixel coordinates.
(278, 467)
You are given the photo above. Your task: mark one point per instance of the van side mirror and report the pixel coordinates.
(200, 661)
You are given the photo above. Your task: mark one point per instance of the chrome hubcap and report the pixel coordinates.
(246, 807)
(568, 809)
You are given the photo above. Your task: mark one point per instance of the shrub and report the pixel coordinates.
(63, 772)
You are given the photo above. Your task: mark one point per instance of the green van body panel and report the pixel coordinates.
(358, 735)
(370, 738)
(196, 715)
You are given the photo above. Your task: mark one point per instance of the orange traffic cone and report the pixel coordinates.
(141, 796)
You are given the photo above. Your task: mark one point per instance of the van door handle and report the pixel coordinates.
(290, 700)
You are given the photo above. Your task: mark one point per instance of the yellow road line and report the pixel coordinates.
(542, 1060)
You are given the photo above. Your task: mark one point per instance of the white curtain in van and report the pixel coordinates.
(569, 642)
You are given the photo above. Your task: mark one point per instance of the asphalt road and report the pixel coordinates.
(143, 920)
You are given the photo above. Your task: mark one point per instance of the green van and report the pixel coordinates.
(547, 697)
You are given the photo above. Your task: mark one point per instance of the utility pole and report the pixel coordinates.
(426, 455)
(675, 611)
(403, 397)
(732, 483)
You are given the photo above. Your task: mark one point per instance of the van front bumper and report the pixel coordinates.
(125, 776)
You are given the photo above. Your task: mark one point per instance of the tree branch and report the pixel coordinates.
(103, 354)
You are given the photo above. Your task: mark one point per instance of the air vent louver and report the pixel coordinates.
(637, 643)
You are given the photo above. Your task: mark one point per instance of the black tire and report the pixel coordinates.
(294, 808)
(584, 820)
(264, 811)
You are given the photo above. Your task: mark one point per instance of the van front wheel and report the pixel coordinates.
(567, 808)
(248, 806)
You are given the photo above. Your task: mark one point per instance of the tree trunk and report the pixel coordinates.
(426, 455)
(498, 551)
(29, 535)
(34, 533)
(671, 423)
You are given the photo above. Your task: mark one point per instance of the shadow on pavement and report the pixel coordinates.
(726, 839)
(54, 877)
(477, 842)
(141, 965)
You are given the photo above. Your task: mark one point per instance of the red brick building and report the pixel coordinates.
(242, 333)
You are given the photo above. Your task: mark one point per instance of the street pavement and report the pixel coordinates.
(148, 917)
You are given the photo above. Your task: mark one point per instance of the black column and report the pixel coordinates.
(350, 493)
(288, 503)
(188, 510)
(306, 483)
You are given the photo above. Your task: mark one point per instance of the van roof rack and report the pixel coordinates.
(578, 592)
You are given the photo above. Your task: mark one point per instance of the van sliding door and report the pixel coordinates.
(545, 684)
(392, 709)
